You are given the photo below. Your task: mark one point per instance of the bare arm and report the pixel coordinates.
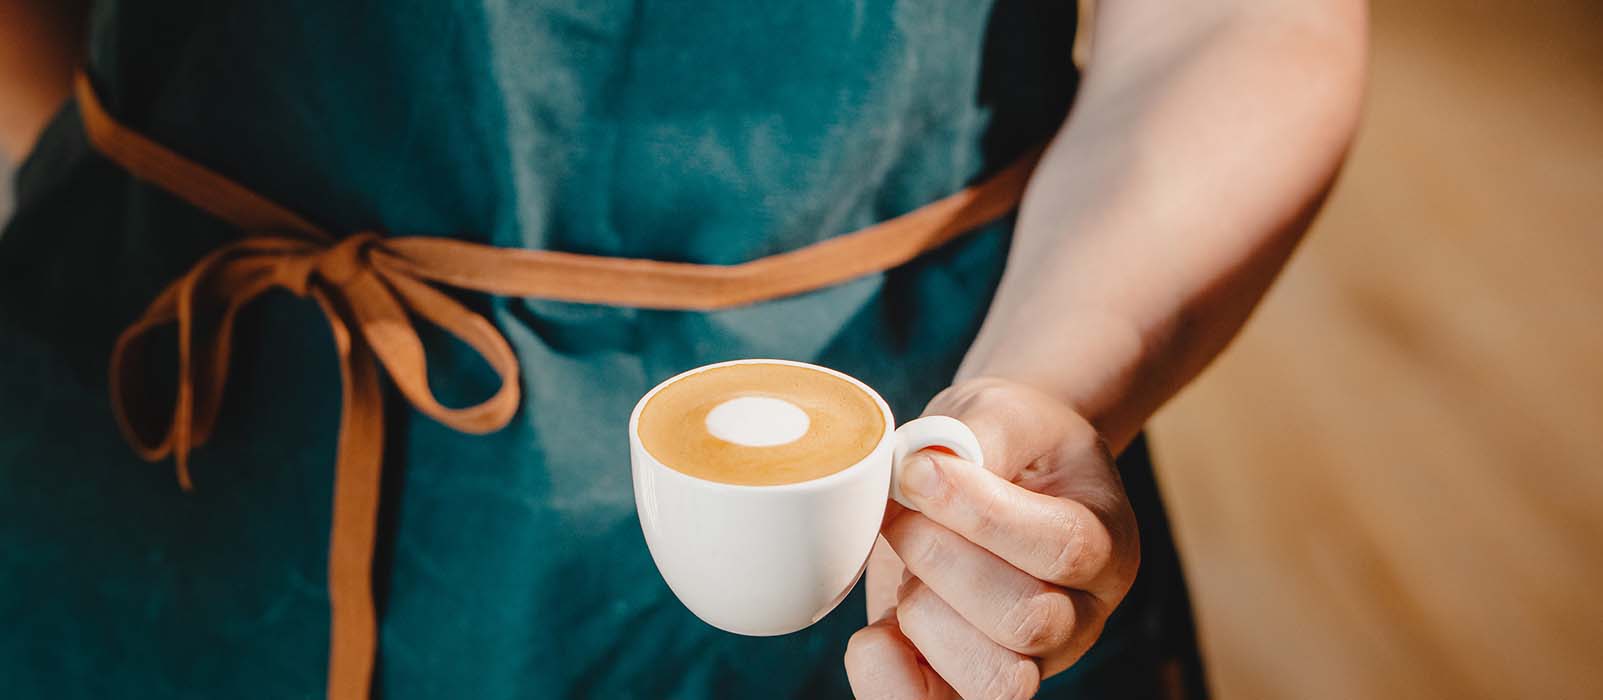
(41, 41)
(1203, 139)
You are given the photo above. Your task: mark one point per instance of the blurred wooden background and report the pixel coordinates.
(1392, 485)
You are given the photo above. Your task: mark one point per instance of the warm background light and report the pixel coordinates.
(1392, 485)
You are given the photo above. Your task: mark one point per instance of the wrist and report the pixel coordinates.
(1094, 362)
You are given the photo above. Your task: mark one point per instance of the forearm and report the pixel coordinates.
(1202, 141)
(40, 43)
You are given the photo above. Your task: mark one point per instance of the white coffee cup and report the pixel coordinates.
(770, 560)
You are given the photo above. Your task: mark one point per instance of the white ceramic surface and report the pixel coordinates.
(769, 560)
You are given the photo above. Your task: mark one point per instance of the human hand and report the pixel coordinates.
(1006, 575)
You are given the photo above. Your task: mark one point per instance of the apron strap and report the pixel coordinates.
(370, 287)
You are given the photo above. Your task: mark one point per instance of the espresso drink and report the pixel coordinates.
(760, 424)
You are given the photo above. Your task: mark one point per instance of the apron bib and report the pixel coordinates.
(367, 287)
(516, 163)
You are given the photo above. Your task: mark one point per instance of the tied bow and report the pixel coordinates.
(360, 284)
(366, 291)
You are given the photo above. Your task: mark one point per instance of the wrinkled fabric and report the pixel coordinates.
(511, 565)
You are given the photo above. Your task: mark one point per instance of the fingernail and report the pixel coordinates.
(920, 477)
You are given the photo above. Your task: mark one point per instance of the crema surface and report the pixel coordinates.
(843, 424)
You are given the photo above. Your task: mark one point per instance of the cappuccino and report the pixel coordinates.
(761, 424)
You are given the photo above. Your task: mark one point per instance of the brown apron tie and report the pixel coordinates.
(369, 286)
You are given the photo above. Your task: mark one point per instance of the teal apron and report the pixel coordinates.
(511, 564)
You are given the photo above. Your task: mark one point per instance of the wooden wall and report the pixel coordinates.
(1392, 485)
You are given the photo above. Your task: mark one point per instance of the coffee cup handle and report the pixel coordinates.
(932, 431)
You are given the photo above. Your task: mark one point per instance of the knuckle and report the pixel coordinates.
(1039, 624)
(1012, 681)
(1006, 405)
(910, 598)
(988, 506)
(912, 610)
(930, 551)
(1073, 551)
(1082, 441)
(992, 393)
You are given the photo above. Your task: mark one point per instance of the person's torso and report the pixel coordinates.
(511, 564)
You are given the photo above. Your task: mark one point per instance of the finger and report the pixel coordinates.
(884, 576)
(1014, 426)
(965, 658)
(1012, 608)
(1057, 540)
(881, 664)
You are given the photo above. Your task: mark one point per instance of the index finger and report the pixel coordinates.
(1055, 539)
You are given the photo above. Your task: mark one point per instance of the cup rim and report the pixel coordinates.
(822, 482)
